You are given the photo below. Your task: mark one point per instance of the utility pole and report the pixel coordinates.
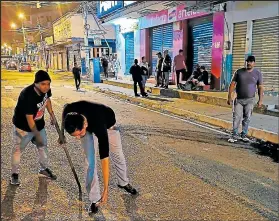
(42, 43)
(86, 28)
(24, 42)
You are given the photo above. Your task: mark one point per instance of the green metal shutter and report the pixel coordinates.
(265, 48)
(239, 43)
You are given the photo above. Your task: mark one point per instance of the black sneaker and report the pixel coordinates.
(48, 174)
(14, 180)
(244, 138)
(137, 95)
(145, 95)
(129, 189)
(233, 139)
(93, 208)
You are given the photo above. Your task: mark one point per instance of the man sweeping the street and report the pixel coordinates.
(82, 119)
(29, 124)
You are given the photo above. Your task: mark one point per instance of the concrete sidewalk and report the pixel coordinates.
(262, 126)
(214, 98)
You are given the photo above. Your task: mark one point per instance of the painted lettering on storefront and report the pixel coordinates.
(154, 19)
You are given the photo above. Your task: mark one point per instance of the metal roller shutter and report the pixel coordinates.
(265, 48)
(202, 36)
(162, 39)
(129, 51)
(239, 43)
(157, 44)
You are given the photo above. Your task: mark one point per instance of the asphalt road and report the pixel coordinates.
(183, 171)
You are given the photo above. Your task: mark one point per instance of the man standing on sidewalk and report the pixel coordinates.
(76, 72)
(166, 69)
(179, 66)
(105, 66)
(246, 81)
(29, 124)
(145, 69)
(82, 119)
(159, 74)
(137, 73)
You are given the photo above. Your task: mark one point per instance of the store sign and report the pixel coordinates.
(154, 19)
(49, 40)
(106, 7)
(126, 3)
(168, 16)
(62, 30)
(97, 41)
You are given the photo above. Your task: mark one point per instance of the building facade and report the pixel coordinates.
(252, 28)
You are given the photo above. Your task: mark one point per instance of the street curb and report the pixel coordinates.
(218, 101)
(160, 106)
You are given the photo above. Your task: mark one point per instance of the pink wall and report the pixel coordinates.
(142, 42)
(217, 48)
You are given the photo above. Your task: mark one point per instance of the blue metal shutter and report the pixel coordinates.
(129, 51)
(157, 44)
(168, 38)
(162, 39)
(202, 36)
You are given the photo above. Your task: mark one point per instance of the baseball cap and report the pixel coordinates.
(251, 58)
(159, 53)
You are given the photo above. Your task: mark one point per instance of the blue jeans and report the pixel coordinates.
(243, 109)
(144, 79)
(88, 142)
(21, 139)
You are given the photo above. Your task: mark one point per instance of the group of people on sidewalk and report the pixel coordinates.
(84, 120)
(198, 78)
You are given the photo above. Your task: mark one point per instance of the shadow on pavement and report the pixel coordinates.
(158, 99)
(7, 205)
(261, 148)
(131, 206)
(39, 212)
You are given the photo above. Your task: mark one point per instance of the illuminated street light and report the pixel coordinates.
(13, 25)
(21, 15)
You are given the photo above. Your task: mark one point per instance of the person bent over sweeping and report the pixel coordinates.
(86, 121)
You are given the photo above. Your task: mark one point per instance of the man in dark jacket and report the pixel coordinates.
(105, 66)
(166, 69)
(76, 73)
(159, 77)
(137, 73)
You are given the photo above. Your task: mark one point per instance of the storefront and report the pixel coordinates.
(200, 34)
(161, 40)
(253, 30)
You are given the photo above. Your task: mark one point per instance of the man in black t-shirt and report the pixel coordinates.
(76, 73)
(29, 124)
(82, 119)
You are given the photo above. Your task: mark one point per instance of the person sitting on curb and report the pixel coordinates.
(82, 119)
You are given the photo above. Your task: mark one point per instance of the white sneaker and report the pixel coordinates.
(233, 139)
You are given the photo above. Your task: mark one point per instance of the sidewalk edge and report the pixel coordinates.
(253, 132)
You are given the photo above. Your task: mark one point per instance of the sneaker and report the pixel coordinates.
(129, 189)
(137, 95)
(245, 138)
(233, 139)
(14, 179)
(93, 208)
(48, 174)
(145, 95)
